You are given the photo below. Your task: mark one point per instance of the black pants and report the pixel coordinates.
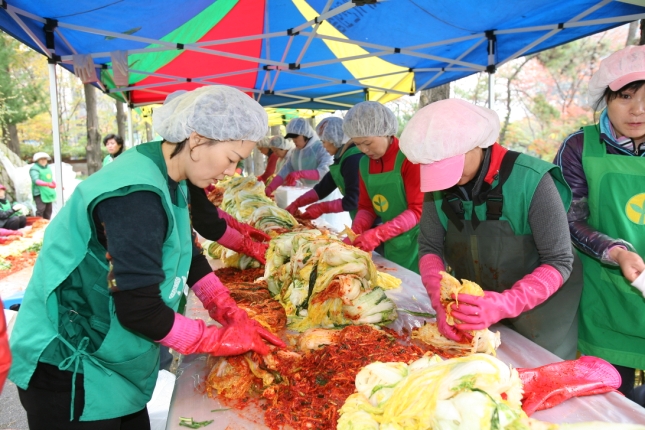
(628, 375)
(43, 209)
(49, 410)
(15, 222)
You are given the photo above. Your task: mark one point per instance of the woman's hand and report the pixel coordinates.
(631, 264)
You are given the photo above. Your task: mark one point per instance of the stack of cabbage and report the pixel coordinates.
(322, 282)
(245, 200)
(478, 392)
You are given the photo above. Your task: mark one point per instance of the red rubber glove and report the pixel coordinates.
(5, 352)
(372, 238)
(42, 183)
(243, 244)
(305, 199)
(292, 177)
(363, 220)
(429, 266)
(222, 308)
(52, 184)
(194, 336)
(8, 232)
(478, 313)
(314, 211)
(550, 385)
(275, 183)
(243, 227)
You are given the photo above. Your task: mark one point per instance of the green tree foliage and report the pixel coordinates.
(22, 95)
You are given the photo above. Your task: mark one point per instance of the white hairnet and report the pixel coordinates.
(370, 119)
(217, 112)
(281, 143)
(448, 128)
(264, 142)
(300, 127)
(619, 69)
(174, 95)
(331, 130)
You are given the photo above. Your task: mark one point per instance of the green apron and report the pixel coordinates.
(334, 169)
(387, 192)
(612, 325)
(6, 206)
(67, 317)
(107, 160)
(47, 194)
(494, 247)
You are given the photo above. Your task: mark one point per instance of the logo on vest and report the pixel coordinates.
(635, 209)
(380, 203)
(177, 286)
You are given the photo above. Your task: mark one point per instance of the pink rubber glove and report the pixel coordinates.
(275, 183)
(305, 199)
(41, 183)
(429, 266)
(8, 232)
(243, 244)
(194, 336)
(386, 231)
(243, 227)
(478, 313)
(222, 308)
(363, 220)
(292, 177)
(52, 184)
(314, 211)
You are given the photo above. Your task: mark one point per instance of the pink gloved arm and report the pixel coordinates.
(275, 183)
(42, 183)
(478, 313)
(233, 239)
(314, 211)
(242, 227)
(429, 266)
(194, 336)
(216, 298)
(363, 220)
(292, 177)
(370, 239)
(305, 199)
(8, 232)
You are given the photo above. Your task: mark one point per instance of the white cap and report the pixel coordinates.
(619, 69)
(174, 95)
(370, 119)
(330, 129)
(281, 143)
(440, 134)
(299, 127)
(39, 155)
(217, 112)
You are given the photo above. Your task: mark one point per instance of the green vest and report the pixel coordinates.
(67, 317)
(612, 325)
(387, 193)
(6, 206)
(496, 248)
(46, 194)
(107, 160)
(334, 169)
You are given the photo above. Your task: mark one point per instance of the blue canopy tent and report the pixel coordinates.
(311, 54)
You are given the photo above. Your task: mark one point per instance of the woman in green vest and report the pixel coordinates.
(43, 187)
(343, 174)
(497, 218)
(388, 187)
(11, 215)
(605, 166)
(114, 264)
(114, 145)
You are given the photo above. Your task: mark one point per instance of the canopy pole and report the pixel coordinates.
(491, 93)
(130, 131)
(58, 162)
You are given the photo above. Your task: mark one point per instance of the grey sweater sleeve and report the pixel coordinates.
(548, 221)
(431, 231)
